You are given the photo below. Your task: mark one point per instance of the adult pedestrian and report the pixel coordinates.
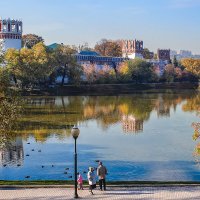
(91, 179)
(101, 173)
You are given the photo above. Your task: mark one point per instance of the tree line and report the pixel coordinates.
(38, 65)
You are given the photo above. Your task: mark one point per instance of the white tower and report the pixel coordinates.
(10, 33)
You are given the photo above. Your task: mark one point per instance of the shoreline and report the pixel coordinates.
(56, 183)
(112, 89)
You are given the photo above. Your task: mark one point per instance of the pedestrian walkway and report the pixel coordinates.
(137, 193)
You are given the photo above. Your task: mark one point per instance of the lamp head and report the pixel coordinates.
(75, 132)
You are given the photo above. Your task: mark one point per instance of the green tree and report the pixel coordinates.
(175, 61)
(140, 70)
(29, 40)
(146, 53)
(66, 62)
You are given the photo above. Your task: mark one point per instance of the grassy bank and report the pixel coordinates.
(120, 183)
(113, 89)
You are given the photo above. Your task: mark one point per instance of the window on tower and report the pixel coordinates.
(13, 27)
(4, 27)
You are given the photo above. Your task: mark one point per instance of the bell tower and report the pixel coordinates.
(10, 33)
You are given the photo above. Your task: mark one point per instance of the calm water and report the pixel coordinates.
(144, 136)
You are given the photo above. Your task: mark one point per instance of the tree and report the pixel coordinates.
(147, 54)
(84, 47)
(192, 65)
(13, 63)
(108, 48)
(1, 52)
(30, 66)
(175, 62)
(123, 72)
(90, 73)
(65, 60)
(140, 70)
(36, 65)
(29, 40)
(4, 81)
(169, 73)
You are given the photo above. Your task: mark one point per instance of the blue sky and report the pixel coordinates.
(173, 24)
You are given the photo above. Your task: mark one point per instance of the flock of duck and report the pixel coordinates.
(65, 172)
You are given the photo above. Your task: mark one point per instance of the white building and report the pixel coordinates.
(10, 33)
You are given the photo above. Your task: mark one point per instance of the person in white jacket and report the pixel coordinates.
(91, 179)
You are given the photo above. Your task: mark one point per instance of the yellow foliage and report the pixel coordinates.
(123, 108)
(192, 65)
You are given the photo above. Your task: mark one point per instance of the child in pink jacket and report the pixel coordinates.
(80, 181)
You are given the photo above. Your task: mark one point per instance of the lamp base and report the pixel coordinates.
(76, 196)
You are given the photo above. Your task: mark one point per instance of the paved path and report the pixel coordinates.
(138, 193)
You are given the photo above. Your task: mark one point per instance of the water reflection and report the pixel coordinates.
(162, 152)
(50, 115)
(11, 152)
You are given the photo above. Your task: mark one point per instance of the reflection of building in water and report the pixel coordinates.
(41, 101)
(12, 153)
(131, 124)
(162, 108)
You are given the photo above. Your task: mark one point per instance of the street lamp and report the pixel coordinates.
(75, 133)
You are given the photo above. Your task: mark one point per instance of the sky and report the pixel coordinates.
(167, 24)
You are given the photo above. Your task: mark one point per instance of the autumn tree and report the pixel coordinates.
(65, 60)
(108, 48)
(169, 73)
(37, 64)
(192, 66)
(90, 73)
(4, 81)
(123, 72)
(13, 63)
(30, 66)
(29, 40)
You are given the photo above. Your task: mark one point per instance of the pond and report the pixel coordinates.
(145, 137)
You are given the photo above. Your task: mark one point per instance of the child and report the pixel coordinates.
(80, 181)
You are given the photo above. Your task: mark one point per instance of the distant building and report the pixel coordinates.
(172, 54)
(132, 48)
(163, 54)
(185, 53)
(86, 58)
(10, 33)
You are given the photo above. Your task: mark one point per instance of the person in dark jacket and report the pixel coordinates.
(101, 173)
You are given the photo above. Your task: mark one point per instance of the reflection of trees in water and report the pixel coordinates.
(11, 149)
(196, 135)
(193, 105)
(58, 114)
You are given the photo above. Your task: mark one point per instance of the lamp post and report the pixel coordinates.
(75, 133)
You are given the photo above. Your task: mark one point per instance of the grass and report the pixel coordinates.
(116, 183)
